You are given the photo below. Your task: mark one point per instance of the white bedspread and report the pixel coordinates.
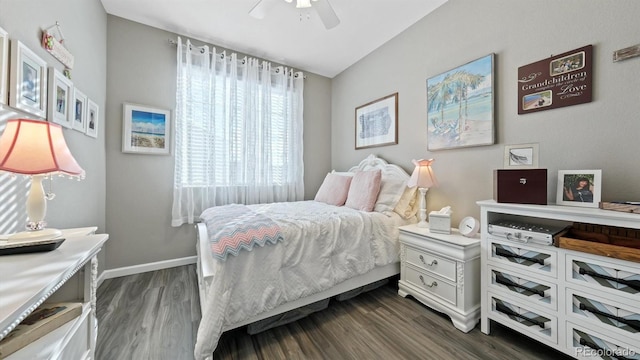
(323, 246)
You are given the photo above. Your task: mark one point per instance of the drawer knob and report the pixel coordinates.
(432, 263)
(433, 284)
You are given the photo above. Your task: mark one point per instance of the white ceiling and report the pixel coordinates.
(286, 35)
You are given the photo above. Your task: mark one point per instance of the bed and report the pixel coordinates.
(323, 250)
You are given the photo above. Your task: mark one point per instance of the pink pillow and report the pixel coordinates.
(334, 189)
(364, 190)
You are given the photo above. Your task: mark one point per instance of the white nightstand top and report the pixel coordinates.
(454, 237)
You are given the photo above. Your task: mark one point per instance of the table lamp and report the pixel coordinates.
(423, 178)
(37, 149)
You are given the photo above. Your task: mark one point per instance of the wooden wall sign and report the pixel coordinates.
(561, 80)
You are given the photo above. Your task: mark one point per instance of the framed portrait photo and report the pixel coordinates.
(146, 130)
(522, 156)
(579, 188)
(78, 113)
(377, 122)
(4, 66)
(93, 118)
(60, 98)
(28, 81)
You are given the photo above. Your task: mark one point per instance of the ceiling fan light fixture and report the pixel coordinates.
(301, 4)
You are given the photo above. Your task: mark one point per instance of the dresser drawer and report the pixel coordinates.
(430, 284)
(539, 259)
(432, 263)
(585, 343)
(524, 287)
(609, 316)
(533, 323)
(612, 278)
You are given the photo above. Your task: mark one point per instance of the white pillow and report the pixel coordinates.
(334, 189)
(391, 190)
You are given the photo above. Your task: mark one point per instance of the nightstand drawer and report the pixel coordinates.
(432, 263)
(431, 284)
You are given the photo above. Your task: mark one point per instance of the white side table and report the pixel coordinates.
(442, 271)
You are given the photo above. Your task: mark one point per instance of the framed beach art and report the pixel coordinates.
(28, 81)
(460, 106)
(146, 130)
(579, 188)
(377, 122)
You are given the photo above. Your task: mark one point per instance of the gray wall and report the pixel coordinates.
(142, 67)
(602, 134)
(77, 203)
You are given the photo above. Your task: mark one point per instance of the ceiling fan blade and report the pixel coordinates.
(326, 14)
(259, 10)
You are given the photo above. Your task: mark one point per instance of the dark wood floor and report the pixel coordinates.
(155, 316)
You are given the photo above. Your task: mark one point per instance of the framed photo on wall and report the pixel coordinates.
(377, 122)
(4, 66)
(60, 98)
(522, 156)
(146, 130)
(579, 188)
(460, 106)
(93, 118)
(78, 113)
(28, 81)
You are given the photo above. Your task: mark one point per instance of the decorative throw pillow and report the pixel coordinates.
(408, 205)
(364, 190)
(391, 190)
(334, 189)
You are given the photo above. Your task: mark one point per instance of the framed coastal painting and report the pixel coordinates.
(28, 81)
(60, 98)
(4, 66)
(377, 122)
(146, 130)
(579, 188)
(460, 105)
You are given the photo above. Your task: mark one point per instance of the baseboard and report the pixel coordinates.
(142, 268)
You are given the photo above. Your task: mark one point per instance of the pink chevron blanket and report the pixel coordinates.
(235, 227)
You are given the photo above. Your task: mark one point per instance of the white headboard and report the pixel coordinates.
(373, 162)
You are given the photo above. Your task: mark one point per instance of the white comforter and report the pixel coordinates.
(323, 246)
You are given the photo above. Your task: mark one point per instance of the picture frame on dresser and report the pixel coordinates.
(61, 99)
(579, 188)
(27, 81)
(4, 66)
(521, 156)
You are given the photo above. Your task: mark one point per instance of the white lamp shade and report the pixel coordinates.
(423, 176)
(33, 147)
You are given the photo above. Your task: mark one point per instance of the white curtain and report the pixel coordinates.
(238, 128)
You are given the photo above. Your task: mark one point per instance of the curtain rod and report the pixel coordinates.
(175, 43)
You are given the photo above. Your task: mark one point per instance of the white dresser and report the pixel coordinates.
(67, 273)
(582, 304)
(443, 272)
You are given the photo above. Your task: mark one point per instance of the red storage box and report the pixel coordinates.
(528, 186)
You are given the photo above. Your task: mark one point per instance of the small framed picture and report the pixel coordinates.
(60, 98)
(78, 113)
(146, 130)
(579, 188)
(28, 81)
(377, 122)
(4, 66)
(522, 156)
(93, 117)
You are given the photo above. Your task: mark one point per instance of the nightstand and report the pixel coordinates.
(442, 271)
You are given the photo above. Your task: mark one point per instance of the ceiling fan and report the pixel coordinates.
(322, 7)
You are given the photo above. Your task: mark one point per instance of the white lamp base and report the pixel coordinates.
(423, 208)
(36, 235)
